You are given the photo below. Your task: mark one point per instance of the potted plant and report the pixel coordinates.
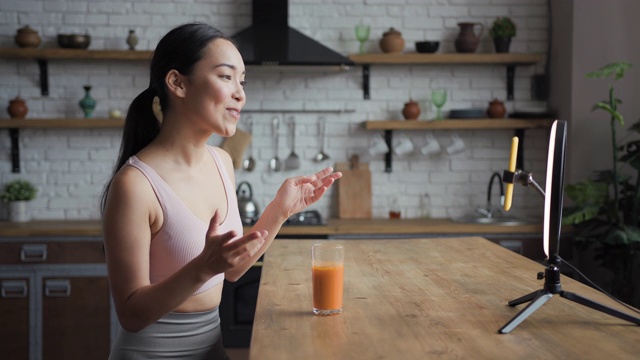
(502, 30)
(605, 210)
(17, 193)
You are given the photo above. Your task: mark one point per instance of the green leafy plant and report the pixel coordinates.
(503, 27)
(18, 190)
(605, 209)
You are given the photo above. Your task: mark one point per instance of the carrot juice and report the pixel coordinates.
(327, 274)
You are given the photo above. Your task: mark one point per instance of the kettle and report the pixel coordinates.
(249, 210)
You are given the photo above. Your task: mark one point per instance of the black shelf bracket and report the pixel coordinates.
(44, 76)
(366, 72)
(14, 134)
(511, 72)
(388, 137)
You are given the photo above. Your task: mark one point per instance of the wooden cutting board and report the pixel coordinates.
(354, 190)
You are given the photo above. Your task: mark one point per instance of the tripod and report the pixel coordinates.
(552, 286)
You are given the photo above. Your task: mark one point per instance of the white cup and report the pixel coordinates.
(431, 146)
(402, 146)
(378, 145)
(456, 146)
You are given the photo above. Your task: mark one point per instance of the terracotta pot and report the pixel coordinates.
(467, 40)
(392, 42)
(26, 37)
(17, 108)
(496, 109)
(411, 110)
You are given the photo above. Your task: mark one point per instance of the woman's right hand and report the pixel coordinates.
(225, 251)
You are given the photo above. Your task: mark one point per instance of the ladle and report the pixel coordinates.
(249, 163)
(322, 155)
(293, 161)
(275, 164)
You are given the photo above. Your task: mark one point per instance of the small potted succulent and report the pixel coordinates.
(17, 193)
(502, 30)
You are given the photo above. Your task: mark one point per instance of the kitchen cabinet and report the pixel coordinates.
(510, 60)
(54, 299)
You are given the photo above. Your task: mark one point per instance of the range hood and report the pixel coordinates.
(270, 40)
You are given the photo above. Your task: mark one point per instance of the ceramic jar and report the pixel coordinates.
(17, 108)
(411, 110)
(132, 40)
(392, 42)
(496, 109)
(27, 37)
(87, 103)
(468, 38)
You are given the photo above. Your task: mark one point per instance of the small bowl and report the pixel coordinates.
(74, 41)
(427, 46)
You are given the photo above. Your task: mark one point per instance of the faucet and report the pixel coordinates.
(489, 212)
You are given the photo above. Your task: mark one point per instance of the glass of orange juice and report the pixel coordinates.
(327, 273)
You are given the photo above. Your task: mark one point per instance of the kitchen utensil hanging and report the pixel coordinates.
(293, 161)
(322, 127)
(275, 164)
(249, 163)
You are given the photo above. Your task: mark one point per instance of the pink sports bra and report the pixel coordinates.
(182, 235)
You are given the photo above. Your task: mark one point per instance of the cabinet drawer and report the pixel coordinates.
(50, 252)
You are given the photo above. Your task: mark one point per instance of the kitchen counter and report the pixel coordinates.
(425, 299)
(334, 227)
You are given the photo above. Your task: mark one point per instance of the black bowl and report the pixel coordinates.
(74, 41)
(427, 46)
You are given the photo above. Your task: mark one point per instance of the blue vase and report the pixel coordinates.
(87, 103)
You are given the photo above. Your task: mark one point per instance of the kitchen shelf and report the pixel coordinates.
(519, 125)
(511, 60)
(42, 56)
(15, 124)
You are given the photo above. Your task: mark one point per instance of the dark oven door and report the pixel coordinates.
(238, 308)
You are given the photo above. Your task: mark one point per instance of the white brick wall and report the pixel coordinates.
(70, 167)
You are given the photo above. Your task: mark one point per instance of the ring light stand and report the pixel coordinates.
(552, 224)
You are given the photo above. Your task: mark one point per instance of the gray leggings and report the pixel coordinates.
(175, 336)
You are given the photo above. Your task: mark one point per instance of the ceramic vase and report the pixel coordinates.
(27, 37)
(132, 40)
(468, 38)
(87, 103)
(17, 108)
(18, 211)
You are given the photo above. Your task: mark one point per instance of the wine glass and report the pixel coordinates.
(439, 98)
(362, 34)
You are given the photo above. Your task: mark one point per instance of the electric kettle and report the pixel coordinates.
(249, 210)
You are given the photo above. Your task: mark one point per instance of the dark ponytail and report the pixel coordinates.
(180, 49)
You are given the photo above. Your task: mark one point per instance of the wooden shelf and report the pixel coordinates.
(457, 124)
(451, 58)
(79, 54)
(42, 56)
(510, 60)
(13, 125)
(84, 123)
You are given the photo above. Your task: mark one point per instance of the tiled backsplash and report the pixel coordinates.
(70, 167)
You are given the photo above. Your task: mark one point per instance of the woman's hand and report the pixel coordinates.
(296, 194)
(225, 251)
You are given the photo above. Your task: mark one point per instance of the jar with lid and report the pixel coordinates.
(411, 110)
(392, 42)
(17, 108)
(26, 37)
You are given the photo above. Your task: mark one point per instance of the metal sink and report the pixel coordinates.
(498, 220)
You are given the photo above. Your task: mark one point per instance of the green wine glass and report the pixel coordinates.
(362, 34)
(438, 99)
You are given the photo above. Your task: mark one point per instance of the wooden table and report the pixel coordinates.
(428, 298)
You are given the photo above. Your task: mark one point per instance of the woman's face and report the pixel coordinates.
(215, 91)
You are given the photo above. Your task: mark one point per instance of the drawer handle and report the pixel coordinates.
(33, 253)
(57, 288)
(14, 289)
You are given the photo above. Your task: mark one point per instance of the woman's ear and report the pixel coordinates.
(175, 83)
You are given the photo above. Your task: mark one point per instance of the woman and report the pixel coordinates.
(171, 223)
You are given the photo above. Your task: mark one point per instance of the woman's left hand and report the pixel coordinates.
(296, 194)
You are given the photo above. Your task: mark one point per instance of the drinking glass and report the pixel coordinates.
(327, 274)
(362, 34)
(439, 98)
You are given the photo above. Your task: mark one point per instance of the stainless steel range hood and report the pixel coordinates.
(270, 40)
